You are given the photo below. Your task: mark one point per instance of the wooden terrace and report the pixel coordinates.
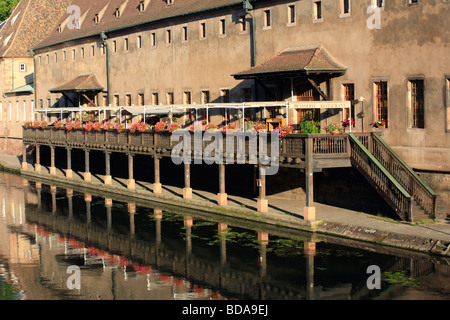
(375, 160)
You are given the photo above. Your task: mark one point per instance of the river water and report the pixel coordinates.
(60, 244)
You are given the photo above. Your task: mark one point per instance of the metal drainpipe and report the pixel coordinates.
(34, 82)
(105, 43)
(248, 7)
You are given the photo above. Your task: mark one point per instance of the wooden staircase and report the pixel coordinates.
(393, 179)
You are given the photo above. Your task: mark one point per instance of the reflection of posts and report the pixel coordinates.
(39, 194)
(53, 193)
(188, 223)
(263, 240)
(158, 217)
(108, 205)
(222, 230)
(69, 194)
(88, 200)
(310, 252)
(132, 212)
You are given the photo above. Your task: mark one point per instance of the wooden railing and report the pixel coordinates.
(386, 185)
(324, 145)
(405, 176)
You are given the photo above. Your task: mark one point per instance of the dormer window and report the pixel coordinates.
(96, 19)
(117, 13)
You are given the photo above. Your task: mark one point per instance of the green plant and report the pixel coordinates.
(310, 126)
(160, 126)
(380, 123)
(399, 278)
(334, 128)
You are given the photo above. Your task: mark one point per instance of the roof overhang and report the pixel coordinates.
(27, 89)
(309, 61)
(82, 83)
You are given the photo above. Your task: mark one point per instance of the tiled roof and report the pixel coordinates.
(311, 59)
(30, 22)
(82, 83)
(130, 15)
(29, 88)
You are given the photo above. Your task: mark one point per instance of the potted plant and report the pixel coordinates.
(334, 128)
(210, 127)
(348, 122)
(43, 124)
(173, 127)
(229, 128)
(28, 125)
(380, 124)
(160, 126)
(283, 131)
(108, 125)
(119, 127)
(59, 124)
(89, 126)
(73, 125)
(310, 126)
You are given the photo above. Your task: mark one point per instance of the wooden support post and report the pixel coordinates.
(187, 191)
(87, 170)
(222, 196)
(157, 187)
(131, 184)
(24, 157)
(309, 212)
(108, 178)
(52, 160)
(37, 166)
(263, 203)
(69, 173)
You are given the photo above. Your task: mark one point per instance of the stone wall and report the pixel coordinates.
(440, 183)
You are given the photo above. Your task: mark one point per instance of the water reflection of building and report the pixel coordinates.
(120, 258)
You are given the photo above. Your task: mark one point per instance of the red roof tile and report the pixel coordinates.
(130, 16)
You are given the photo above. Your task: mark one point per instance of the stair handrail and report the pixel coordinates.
(388, 175)
(411, 173)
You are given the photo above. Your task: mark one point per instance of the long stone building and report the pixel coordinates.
(387, 57)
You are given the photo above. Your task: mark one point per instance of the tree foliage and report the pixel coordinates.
(6, 7)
